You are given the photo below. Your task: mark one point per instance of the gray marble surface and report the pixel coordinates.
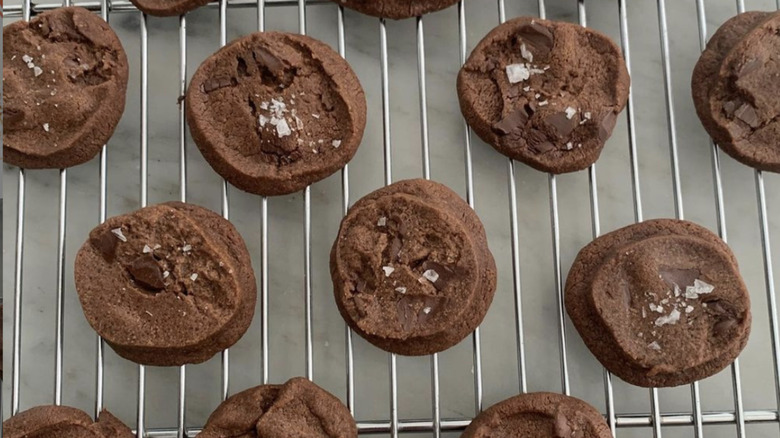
(540, 309)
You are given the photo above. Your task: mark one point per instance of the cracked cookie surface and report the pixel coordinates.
(166, 285)
(660, 303)
(546, 93)
(63, 422)
(737, 92)
(411, 268)
(298, 408)
(64, 83)
(539, 415)
(274, 112)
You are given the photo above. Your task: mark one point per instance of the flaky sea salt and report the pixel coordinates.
(671, 318)
(388, 270)
(517, 73)
(570, 112)
(194, 277)
(118, 233)
(282, 128)
(427, 310)
(699, 288)
(431, 275)
(46, 127)
(147, 249)
(186, 248)
(654, 346)
(400, 290)
(382, 222)
(336, 143)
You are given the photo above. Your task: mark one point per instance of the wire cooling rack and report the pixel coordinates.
(737, 419)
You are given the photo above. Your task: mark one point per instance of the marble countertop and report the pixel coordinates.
(491, 193)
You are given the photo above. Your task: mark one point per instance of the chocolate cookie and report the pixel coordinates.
(660, 303)
(167, 8)
(735, 89)
(545, 93)
(274, 112)
(63, 422)
(396, 9)
(298, 408)
(411, 268)
(64, 83)
(167, 285)
(539, 415)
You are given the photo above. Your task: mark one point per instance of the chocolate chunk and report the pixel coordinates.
(267, 59)
(724, 326)
(405, 309)
(217, 83)
(750, 67)
(446, 274)
(607, 125)
(537, 36)
(748, 114)
(542, 147)
(430, 306)
(105, 243)
(680, 277)
(515, 119)
(395, 248)
(562, 125)
(146, 272)
(563, 429)
(360, 285)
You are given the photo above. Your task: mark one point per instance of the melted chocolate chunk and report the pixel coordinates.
(724, 326)
(415, 310)
(539, 37)
(12, 116)
(274, 65)
(562, 125)
(360, 286)
(146, 272)
(446, 274)
(514, 120)
(542, 147)
(563, 429)
(626, 296)
(680, 277)
(217, 83)
(750, 67)
(395, 248)
(106, 243)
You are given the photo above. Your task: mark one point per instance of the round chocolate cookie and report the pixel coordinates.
(735, 89)
(546, 93)
(63, 422)
(167, 285)
(411, 268)
(660, 303)
(539, 415)
(274, 112)
(298, 408)
(167, 8)
(396, 9)
(64, 84)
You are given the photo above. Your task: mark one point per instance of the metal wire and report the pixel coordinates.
(655, 419)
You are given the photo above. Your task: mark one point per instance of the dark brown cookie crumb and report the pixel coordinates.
(274, 112)
(64, 83)
(735, 89)
(166, 285)
(411, 269)
(660, 303)
(299, 408)
(545, 93)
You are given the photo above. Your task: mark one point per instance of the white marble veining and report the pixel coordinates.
(447, 155)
